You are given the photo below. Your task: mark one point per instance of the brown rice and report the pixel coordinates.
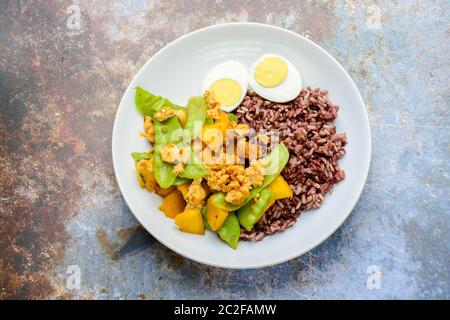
(305, 126)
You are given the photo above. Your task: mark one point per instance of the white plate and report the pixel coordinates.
(177, 72)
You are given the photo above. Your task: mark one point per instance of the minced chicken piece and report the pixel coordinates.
(149, 130)
(166, 113)
(172, 154)
(255, 172)
(178, 169)
(235, 180)
(236, 197)
(195, 194)
(213, 111)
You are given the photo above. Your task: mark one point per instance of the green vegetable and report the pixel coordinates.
(138, 156)
(232, 117)
(180, 181)
(230, 230)
(205, 219)
(163, 134)
(196, 116)
(148, 104)
(195, 169)
(144, 101)
(209, 121)
(249, 214)
(277, 160)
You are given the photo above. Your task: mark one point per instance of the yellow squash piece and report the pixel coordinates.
(145, 174)
(212, 136)
(280, 189)
(210, 131)
(215, 216)
(183, 188)
(191, 221)
(173, 204)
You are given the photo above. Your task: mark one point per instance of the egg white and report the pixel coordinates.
(231, 69)
(286, 91)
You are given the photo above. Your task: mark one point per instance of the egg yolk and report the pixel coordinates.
(226, 91)
(271, 72)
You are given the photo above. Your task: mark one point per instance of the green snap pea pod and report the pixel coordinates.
(195, 169)
(163, 132)
(196, 116)
(249, 214)
(278, 157)
(138, 156)
(148, 104)
(205, 219)
(232, 117)
(230, 230)
(144, 101)
(179, 181)
(209, 121)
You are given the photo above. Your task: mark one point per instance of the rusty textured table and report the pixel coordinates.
(63, 68)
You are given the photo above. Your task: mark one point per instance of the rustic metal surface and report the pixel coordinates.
(60, 208)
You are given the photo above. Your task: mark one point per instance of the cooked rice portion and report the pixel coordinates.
(305, 126)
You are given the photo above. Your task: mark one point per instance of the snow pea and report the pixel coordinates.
(277, 160)
(205, 219)
(138, 156)
(249, 214)
(180, 181)
(144, 101)
(232, 117)
(196, 116)
(230, 230)
(163, 135)
(148, 104)
(194, 171)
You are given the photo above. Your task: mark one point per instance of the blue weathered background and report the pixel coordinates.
(59, 89)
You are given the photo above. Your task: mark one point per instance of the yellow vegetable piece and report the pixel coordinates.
(280, 189)
(215, 216)
(226, 91)
(145, 174)
(183, 188)
(173, 204)
(191, 221)
(271, 72)
(212, 136)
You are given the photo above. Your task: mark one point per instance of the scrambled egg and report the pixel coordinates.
(166, 113)
(149, 130)
(213, 111)
(195, 194)
(172, 154)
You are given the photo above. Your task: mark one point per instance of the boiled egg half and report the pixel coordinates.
(275, 78)
(228, 83)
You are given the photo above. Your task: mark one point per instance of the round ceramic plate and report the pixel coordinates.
(177, 72)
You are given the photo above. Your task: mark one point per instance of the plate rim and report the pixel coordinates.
(300, 252)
